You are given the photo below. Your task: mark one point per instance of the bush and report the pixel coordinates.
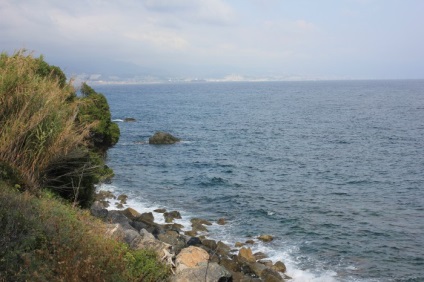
(43, 239)
(95, 109)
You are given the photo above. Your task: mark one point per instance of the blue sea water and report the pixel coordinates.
(333, 170)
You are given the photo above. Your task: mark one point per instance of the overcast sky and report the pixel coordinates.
(221, 38)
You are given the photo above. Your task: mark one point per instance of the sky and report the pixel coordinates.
(155, 40)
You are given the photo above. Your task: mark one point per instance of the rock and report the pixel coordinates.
(129, 119)
(210, 244)
(193, 241)
(195, 221)
(279, 266)
(269, 275)
(174, 239)
(119, 205)
(148, 241)
(122, 198)
(266, 262)
(190, 257)
(199, 227)
(239, 244)
(98, 210)
(174, 226)
(206, 272)
(115, 231)
(223, 249)
(118, 217)
(257, 268)
(230, 264)
(146, 217)
(170, 216)
(259, 255)
(250, 242)
(160, 210)
(103, 195)
(191, 233)
(131, 213)
(245, 255)
(160, 138)
(222, 221)
(266, 238)
(130, 236)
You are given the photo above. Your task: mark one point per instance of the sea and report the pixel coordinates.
(333, 170)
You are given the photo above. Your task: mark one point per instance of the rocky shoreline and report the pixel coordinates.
(190, 254)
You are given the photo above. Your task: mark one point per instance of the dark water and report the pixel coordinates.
(334, 170)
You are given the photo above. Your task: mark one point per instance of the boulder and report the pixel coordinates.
(193, 241)
(98, 210)
(230, 264)
(200, 221)
(266, 238)
(266, 262)
(269, 275)
(257, 268)
(205, 272)
(279, 266)
(223, 249)
(239, 244)
(146, 217)
(191, 233)
(246, 255)
(129, 119)
(170, 216)
(131, 213)
(210, 244)
(161, 138)
(199, 227)
(190, 257)
(259, 255)
(174, 239)
(222, 221)
(148, 241)
(122, 198)
(250, 242)
(160, 210)
(104, 195)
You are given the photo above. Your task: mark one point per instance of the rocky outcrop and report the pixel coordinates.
(161, 138)
(191, 258)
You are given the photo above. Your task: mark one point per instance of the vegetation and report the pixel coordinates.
(49, 137)
(53, 142)
(44, 239)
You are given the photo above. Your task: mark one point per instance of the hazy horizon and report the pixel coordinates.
(217, 40)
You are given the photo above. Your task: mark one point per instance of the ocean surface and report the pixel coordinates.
(333, 170)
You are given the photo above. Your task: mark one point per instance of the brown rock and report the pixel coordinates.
(230, 264)
(259, 255)
(199, 227)
(279, 266)
(222, 221)
(191, 233)
(131, 213)
(266, 262)
(210, 244)
(190, 257)
(245, 255)
(170, 216)
(161, 138)
(266, 238)
(146, 217)
(200, 221)
(269, 275)
(239, 244)
(250, 242)
(205, 272)
(122, 198)
(103, 195)
(160, 210)
(119, 205)
(257, 268)
(223, 249)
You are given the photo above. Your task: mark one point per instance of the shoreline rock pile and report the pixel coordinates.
(191, 257)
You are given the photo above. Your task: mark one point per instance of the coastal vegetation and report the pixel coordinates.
(53, 141)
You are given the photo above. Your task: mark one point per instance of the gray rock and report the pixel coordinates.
(98, 210)
(161, 138)
(208, 272)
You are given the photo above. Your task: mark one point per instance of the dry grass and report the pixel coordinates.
(36, 118)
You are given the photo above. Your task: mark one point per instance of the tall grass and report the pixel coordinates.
(37, 117)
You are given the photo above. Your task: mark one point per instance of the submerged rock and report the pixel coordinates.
(266, 238)
(129, 119)
(160, 138)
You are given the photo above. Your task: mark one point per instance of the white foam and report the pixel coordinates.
(117, 120)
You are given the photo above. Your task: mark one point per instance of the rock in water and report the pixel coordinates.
(160, 138)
